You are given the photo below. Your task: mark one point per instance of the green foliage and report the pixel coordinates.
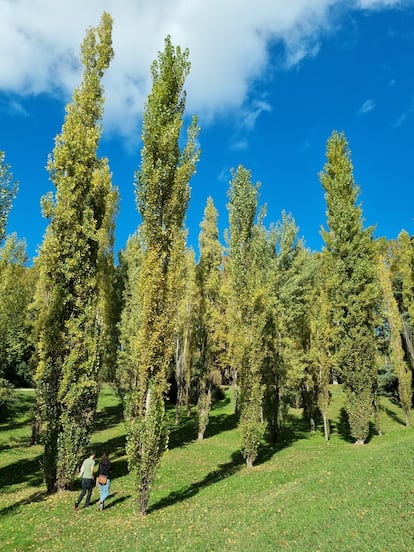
(290, 275)
(6, 397)
(209, 276)
(16, 293)
(147, 439)
(8, 190)
(162, 190)
(406, 268)
(248, 302)
(75, 271)
(352, 286)
(185, 329)
(321, 341)
(397, 355)
(131, 316)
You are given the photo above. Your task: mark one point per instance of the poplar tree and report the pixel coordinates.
(321, 341)
(131, 260)
(185, 331)
(17, 283)
(162, 190)
(405, 270)
(402, 370)
(247, 298)
(351, 258)
(209, 283)
(71, 294)
(8, 190)
(290, 275)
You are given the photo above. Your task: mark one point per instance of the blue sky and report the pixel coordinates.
(270, 81)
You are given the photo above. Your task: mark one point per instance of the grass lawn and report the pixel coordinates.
(302, 495)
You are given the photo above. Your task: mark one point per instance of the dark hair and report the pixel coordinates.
(104, 459)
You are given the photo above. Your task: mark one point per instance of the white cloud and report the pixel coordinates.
(228, 42)
(404, 116)
(367, 106)
(380, 4)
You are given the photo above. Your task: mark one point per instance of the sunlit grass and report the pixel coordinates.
(302, 495)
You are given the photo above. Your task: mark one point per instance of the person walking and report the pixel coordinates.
(87, 480)
(103, 480)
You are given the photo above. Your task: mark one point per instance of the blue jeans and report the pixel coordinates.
(104, 490)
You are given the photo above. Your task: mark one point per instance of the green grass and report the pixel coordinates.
(302, 495)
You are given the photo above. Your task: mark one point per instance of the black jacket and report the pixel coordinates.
(105, 469)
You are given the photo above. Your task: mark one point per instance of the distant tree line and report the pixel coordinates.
(259, 312)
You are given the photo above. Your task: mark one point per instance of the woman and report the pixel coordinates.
(103, 479)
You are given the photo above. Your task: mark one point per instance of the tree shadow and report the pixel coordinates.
(116, 502)
(19, 414)
(12, 425)
(343, 428)
(187, 431)
(183, 434)
(108, 417)
(40, 496)
(115, 447)
(20, 442)
(219, 424)
(23, 471)
(393, 415)
(222, 472)
(294, 429)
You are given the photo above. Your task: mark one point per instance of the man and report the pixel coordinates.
(87, 480)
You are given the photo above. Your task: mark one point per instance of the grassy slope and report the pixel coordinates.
(301, 496)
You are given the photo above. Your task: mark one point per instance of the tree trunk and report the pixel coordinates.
(325, 427)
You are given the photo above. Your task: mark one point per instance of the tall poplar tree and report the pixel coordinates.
(291, 278)
(8, 190)
(209, 282)
(405, 270)
(351, 259)
(247, 297)
(185, 331)
(17, 283)
(162, 189)
(401, 369)
(321, 340)
(77, 249)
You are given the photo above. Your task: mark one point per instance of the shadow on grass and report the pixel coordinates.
(182, 434)
(393, 415)
(40, 496)
(19, 414)
(23, 471)
(222, 472)
(296, 429)
(219, 424)
(188, 430)
(116, 502)
(18, 442)
(343, 428)
(108, 417)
